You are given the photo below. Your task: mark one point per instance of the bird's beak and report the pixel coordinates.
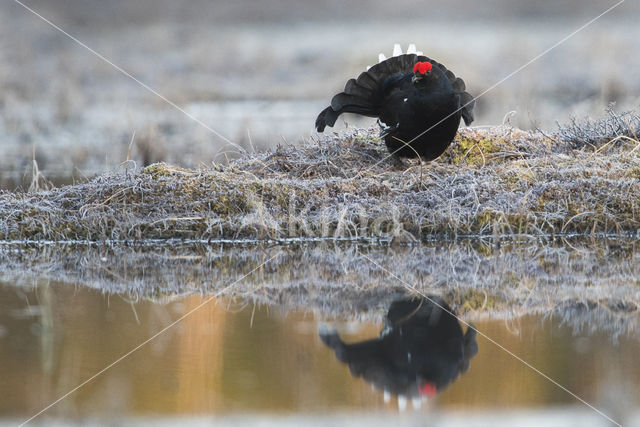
(418, 77)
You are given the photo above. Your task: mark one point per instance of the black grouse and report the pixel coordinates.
(417, 101)
(419, 353)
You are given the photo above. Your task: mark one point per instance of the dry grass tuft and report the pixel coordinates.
(620, 128)
(491, 181)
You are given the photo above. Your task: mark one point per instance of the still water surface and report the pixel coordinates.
(231, 357)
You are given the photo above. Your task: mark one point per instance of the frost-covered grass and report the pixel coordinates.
(616, 128)
(491, 181)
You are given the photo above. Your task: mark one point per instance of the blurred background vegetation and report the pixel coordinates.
(259, 72)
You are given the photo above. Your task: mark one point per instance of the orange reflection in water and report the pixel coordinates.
(223, 359)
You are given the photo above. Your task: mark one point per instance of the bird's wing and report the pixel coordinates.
(467, 101)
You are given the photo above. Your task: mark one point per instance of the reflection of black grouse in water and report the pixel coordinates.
(418, 103)
(420, 352)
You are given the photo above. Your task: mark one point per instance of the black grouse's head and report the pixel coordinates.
(421, 71)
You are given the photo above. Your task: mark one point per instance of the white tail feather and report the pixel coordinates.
(416, 402)
(402, 403)
(397, 51)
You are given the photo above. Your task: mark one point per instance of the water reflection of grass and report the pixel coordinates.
(258, 360)
(589, 283)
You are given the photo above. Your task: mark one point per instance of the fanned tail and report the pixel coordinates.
(357, 97)
(326, 118)
(360, 94)
(404, 63)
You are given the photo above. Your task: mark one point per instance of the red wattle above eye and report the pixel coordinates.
(422, 67)
(427, 389)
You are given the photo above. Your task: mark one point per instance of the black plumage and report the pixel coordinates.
(419, 353)
(419, 112)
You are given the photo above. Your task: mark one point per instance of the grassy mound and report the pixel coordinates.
(491, 181)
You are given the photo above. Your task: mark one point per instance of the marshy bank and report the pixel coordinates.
(505, 223)
(492, 181)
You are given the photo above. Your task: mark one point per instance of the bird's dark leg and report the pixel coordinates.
(400, 163)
